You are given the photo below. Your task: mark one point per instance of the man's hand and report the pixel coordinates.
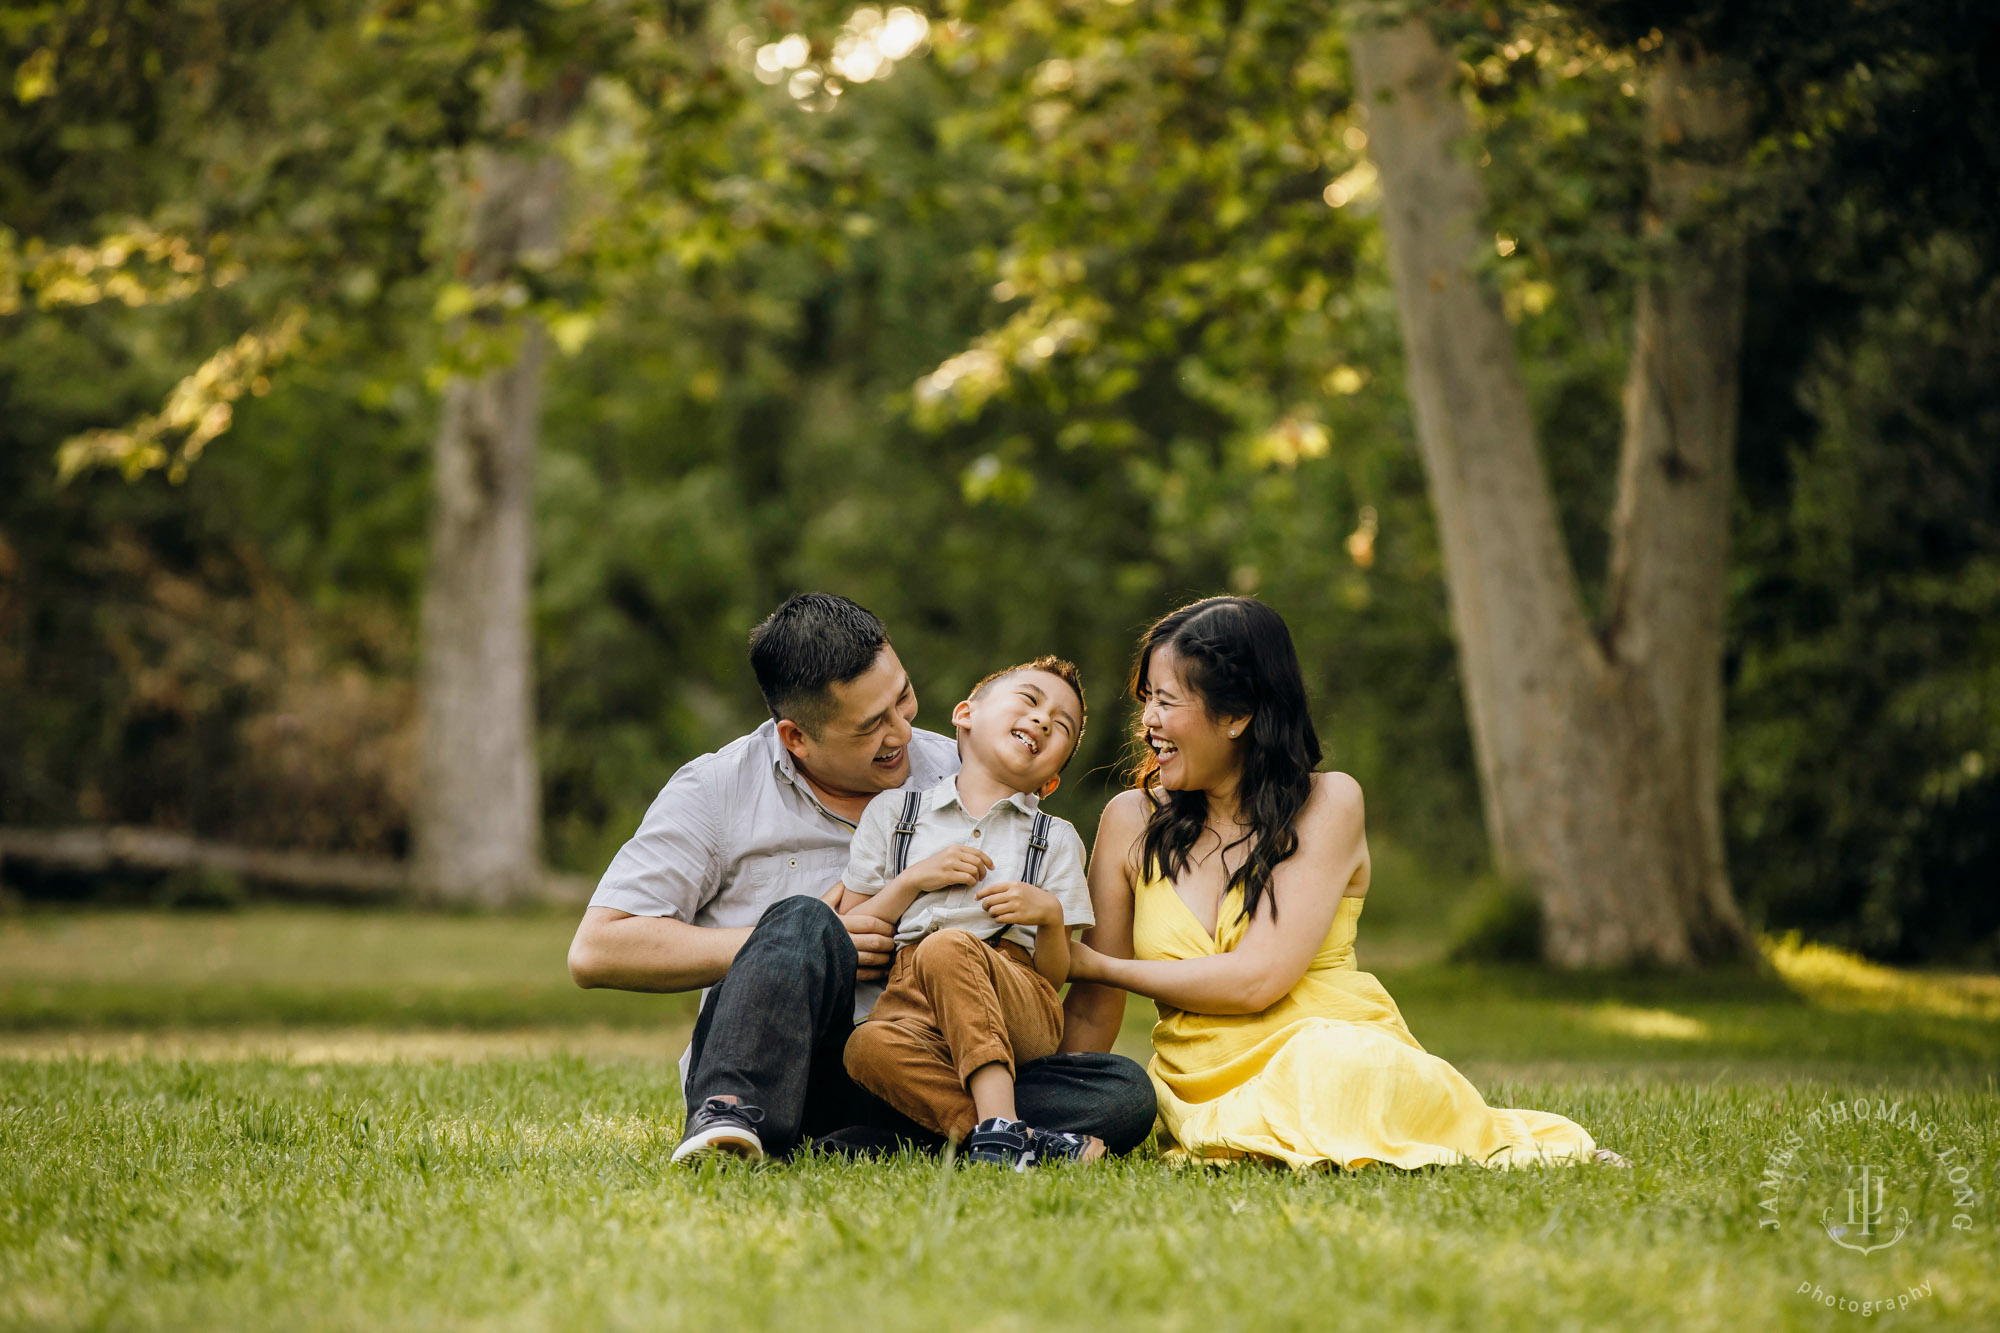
(874, 946)
(1016, 902)
(874, 939)
(947, 869)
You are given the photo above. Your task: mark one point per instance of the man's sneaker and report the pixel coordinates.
(722, 1129)
(1012, 1144)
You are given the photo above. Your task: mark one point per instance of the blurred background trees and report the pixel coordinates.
(1018, 322)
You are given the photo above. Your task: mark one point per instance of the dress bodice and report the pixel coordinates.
(1163, 927)
(1198, 1051)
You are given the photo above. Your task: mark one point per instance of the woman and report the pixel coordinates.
(1227, 887)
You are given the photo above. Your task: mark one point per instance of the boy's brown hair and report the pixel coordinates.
(1064, 671)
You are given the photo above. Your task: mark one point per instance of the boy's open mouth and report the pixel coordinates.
(1034, 746)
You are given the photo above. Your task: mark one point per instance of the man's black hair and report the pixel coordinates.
(807, 646)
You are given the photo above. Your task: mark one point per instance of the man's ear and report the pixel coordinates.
(961, 716)
(1048, 789)
(793, 737)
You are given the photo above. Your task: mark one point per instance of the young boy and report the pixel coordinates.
(983, 889)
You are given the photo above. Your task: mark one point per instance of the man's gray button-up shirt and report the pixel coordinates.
(734, 831)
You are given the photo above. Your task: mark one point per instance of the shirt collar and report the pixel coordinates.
(946, 793)
(781, 758)
(788, 772)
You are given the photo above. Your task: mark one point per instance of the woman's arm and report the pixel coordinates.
(1275, 951)
(1093, 1014)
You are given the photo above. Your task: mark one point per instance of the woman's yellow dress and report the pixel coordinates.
(1329, 1074)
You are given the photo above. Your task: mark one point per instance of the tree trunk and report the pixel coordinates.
(478, 815)
(97, 850)
(1596, 752)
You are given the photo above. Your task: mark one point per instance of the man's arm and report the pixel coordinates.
(619, 951)
(650, 953)
(666, 871)
(637, 935)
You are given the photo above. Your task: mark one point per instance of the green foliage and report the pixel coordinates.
(1071, 314)
(1867, 694)
(1497, 922)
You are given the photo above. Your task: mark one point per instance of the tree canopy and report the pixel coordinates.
(1018, 322)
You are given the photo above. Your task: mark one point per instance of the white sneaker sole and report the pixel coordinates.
(721, 1141)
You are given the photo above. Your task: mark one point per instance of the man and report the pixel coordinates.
(727, 885)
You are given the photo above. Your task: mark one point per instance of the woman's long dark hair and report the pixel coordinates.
(1238, 657)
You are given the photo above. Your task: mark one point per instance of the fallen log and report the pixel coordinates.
(99, 850)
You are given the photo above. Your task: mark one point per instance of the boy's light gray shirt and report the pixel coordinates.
(1002, 833)
(734, 831)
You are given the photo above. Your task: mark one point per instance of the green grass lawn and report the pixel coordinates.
(340, 1120)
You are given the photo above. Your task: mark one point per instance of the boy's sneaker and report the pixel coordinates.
(1052, 1145)
(1011, 1143)
(997, 1142)
(722, 1129)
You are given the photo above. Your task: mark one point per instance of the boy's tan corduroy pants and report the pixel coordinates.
(953, 1003)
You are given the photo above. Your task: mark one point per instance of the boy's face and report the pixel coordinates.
(1021, 728)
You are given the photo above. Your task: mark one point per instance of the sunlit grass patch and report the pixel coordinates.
(315, 1045)
(1841, 980)
(1626, 1020)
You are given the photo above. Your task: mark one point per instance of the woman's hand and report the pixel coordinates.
(1085, 963)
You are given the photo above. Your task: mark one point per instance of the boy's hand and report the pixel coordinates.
(1016, 902)
(948, 869)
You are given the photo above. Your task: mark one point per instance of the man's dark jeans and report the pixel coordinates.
(772, 1031)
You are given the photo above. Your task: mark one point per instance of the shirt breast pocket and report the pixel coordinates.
(791, 874)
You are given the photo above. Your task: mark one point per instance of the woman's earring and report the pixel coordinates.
(1232, 735)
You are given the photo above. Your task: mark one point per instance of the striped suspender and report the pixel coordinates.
(1031, 865)
(1038, 848)
(906, 828)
